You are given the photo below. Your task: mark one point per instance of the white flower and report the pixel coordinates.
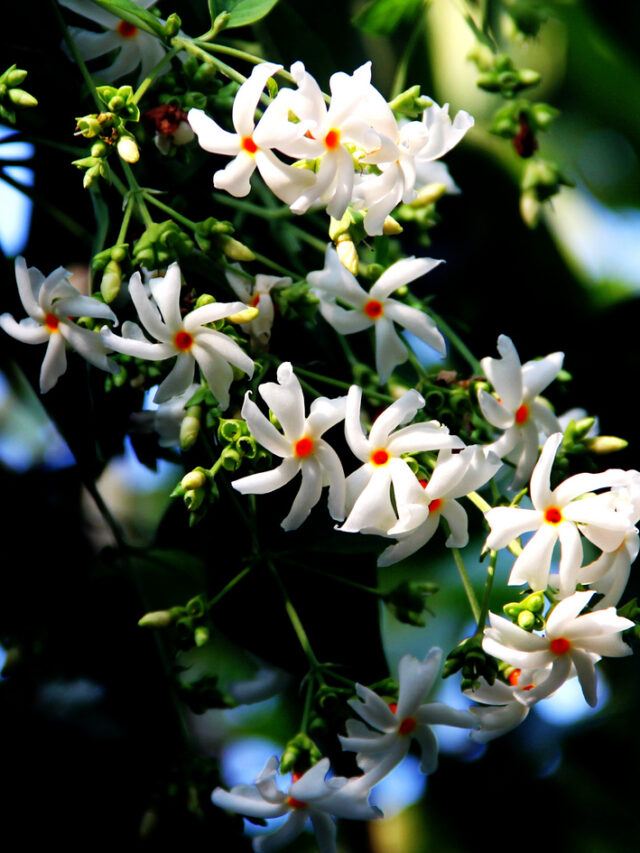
(166, 419)
(415, 145)
(346, 121)
(251, 145)
(135, 46)
(257, 295)
(558, 516)
(517, 409)
(301, 447)
(376, 308)
(501, 708)
(188, 338)
(570, 641)
(454, 476)
(310, 796)
(369, 487)
(378, 752)
(51, 303)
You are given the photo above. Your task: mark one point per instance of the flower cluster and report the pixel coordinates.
(351, 151)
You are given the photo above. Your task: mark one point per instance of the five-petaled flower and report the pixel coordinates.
(51, 304)
(190, 338)
(376, 309)
(310, 796)
(378, 752)
(301, 447)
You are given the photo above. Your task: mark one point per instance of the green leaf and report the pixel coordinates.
(133, 14)
(243, 12)
(382, 17)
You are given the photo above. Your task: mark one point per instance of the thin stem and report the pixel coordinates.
(457, 343)
(229, 586)
(193, 48)
(338, 578)
(297, 625)
(189, 223)
(400, 77)
(314, 242)
(76, 55)
(307, 701)
(338, 383)
(466, 583)
(138, 193)
(252, 209)
(274, 265)
(105, 512)
(488, 586)
(148, 80)
(122, 233)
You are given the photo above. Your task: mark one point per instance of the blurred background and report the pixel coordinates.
(97, 746)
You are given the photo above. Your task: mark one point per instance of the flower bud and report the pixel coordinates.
(90, 176)
(193, 480)
(128, 149)
(429, 194)
(234, 249)
(190, 427)
(245, 316)
(528, 77)
(156, 619)
(530, 208)
(605, 444)
(390, 227)
(173, 24)
(526, 620)
(15, 77)
(205, 299)
(21, 98)
(348, 255)
(201, 635)
(193, 499)
(87, 126)
(111, 281)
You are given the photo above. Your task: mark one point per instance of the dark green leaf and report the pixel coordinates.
(243, 12)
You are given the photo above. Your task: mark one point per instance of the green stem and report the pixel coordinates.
(315, 242)
(193, 48)
(466, 583)
(252, 209)
(137, 191)
(79, 60)
(189, 223)
(105, 512)
(457, 343)
(229, 586)
(274, 265)
(338, 578)
(297, 625)
(400, 77)
(488, 586)
(148, 80)
(122, 233)
(338, 383)
(307, 701)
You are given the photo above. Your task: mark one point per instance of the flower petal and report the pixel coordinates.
(308, 495)
(211, 136)
(263, 430)
(248, 97)
(504, 373)
(416, 678)
(235, 177)
(398, 413)
(178, 380)
(536, 375)
(401, 273)
(267, 481)
(286, 401)
(54, 363)
(416, 322)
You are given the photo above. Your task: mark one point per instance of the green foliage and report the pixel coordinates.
(134, 14)
(241, 12)
(383, 17)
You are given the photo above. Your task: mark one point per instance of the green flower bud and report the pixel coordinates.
(526, 620)
(197, 100)
(111, 281)
(530, 208)
(205, 299)
(534, 602)
(408, 103)
(220, 22)
(201, 635)
(90, 176)
(21, 98)
(605, 444)
(173, 24)
(88, 126)
(194, 479)
(128, 149)
(543, 115)
(193, 499)
(14, 77)
(156, 619)
(528, 77)
(348, 254)
(190, 427)
(390, 227)
(234, 249)
(299, 754)
(99, 149)
(428, 194)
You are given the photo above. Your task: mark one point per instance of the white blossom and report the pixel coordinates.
(517, 409)
(369, 504)
(310, 796)
(134, 46)
(189, 338)
(51, 304)
(378, 752)
(572, 643)
(559, 515)
(376, 309)
(299, 445)
(257, 294)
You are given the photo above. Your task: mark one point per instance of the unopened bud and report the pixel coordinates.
(90, 176)
(156, 619)
(193, 499)
(605, 444)
(190, 427)
(390, 227)
(348, 255)
(193, 480)
(111, 281)
(428, 194)
(526, 620)
(15, 77)
(201, 635)
(534, 602)
(245, 316)
(234, 249)
(128, 149)
(530, 208)
(528, 77)
(99, 149)
(173, 24)
(88, 126)
(21, 98)
(205, 299)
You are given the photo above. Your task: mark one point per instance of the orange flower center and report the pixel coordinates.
(127, 30)
(408, 725)
(303, 447)
(553, 515)
(373, 309)
(560, 646)
(255, 300)
(514, 678)
(247, 144)
(379, 457)
(51, 322)
(183, 341)
(332, 139)
(522, 414)
(435, 505)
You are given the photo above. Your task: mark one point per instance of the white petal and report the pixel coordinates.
(456, 516)
(390, 349)
(234, 178)
(507, 523)
(425, 435)
(135, 347)
(325, 832)
(335, 281)
(211, 136)
(343, 320)
(541, 495)
(374, 710)
(26, 331)
(267, 481)
(505, 373)
(494, 411)
(286, 182)
(263, 430)
(210, 314)
(586, 675)
(286, 401)
(353, 430)
(178, 380)
(54, 363)
(566, 611)
(397, 414)
(89, 345)
(90, 44)
(307, 497)
(334, 474)
(416, 322)
(536, 375)
(166, 292)
(428, 749)
(534, 563)
(416, 678)
(248, 97)
(29, 285)
(216, 370)
(147, 310)
(401, 273)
